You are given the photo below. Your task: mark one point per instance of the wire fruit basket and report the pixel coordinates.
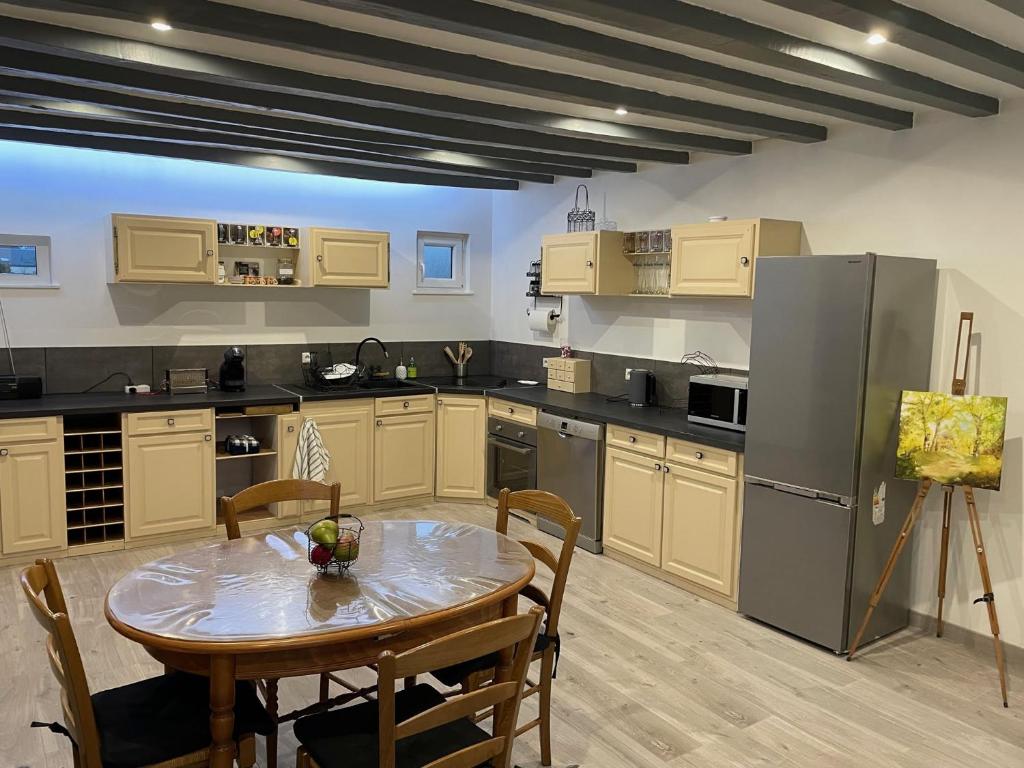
(332, 543)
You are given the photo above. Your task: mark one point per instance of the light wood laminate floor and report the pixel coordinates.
(650, 676)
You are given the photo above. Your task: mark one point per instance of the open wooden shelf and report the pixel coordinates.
(94, 482)
(224, 455)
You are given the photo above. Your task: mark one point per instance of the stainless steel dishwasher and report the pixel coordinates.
(570, 463)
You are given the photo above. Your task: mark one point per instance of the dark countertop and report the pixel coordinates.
(471, 385)
(118, 402)
(594, 407)
(391, 389)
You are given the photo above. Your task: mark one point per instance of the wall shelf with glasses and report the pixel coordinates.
(94, 482)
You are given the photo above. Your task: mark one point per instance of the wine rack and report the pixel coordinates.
(94, 479)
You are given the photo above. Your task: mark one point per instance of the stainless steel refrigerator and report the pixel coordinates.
(834, 341)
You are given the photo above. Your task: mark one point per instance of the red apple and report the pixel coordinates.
(320, 555)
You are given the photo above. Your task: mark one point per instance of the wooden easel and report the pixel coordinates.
(959, 388)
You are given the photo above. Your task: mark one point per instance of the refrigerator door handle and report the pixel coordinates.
(808, 493)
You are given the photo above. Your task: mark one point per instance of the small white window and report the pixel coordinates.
(25, 261)
(441, 263)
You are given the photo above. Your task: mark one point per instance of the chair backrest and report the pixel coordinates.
(46, 599)
(273, 492)
(513, 638)
(554, 509)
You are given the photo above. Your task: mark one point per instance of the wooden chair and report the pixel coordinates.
(418, 726)
(262, 495)
(548, 647)
(161, 722)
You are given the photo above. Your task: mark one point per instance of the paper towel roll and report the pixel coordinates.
(542, 321)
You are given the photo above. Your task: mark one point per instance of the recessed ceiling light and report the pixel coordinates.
(621, 111)
(876, 38)
(161, 26)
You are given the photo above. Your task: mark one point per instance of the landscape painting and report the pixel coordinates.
(951, 440)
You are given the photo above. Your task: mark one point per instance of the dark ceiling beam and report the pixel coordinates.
(396, 108)
(217, 92)
(249, 158)
(523, 30)
(99, 123)
(341, 44)
(1013, 6)
(921, 32)
(679, 22)
(273, 125)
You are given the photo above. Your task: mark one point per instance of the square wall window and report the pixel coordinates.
(24, 261)
(441, 262)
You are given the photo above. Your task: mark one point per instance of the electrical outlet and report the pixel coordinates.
(306, 358)
(136, 389)
(628, 371)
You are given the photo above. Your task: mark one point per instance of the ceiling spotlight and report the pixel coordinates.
(161, 26)
(621, 111)
(875, 38)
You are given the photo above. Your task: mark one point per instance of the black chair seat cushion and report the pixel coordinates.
(348, 737)
(455, 674)
(166, 717)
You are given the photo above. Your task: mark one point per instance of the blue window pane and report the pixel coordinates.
(437, 262)
(18, 260)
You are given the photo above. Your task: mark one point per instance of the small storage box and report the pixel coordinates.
(568, 374)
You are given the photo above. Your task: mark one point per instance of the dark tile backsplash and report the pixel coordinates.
(75, 369)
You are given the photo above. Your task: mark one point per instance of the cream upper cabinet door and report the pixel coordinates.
(403, 457)
(170, 481)
(153, 249)
(350, 258)
(32, 513)
(348, 436)
(461, 446)
(713, 259)
(633, 488)
(569, 263)
(700, 541)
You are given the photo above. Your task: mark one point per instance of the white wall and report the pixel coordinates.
(951, 189)
(70, 194)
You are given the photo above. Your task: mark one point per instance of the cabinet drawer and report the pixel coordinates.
(42, 428)
(169, 422)
(524, 414)
(393, 406)
(701, 457)
(634, 440)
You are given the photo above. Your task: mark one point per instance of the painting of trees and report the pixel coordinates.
(952, 440)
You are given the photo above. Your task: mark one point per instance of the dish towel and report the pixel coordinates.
(312, 459)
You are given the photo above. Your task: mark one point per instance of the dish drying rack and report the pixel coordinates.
(315, 375)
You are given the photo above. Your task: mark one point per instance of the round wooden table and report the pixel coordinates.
(254, 608)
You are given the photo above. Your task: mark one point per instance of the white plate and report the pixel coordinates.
(528, 382)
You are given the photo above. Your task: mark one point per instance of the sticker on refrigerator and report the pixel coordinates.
(878, 505)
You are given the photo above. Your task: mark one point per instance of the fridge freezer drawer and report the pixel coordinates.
(795, 564)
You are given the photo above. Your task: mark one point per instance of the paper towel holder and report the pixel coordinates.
(554, 316)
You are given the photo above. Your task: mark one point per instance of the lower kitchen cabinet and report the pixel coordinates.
(170, 479)
(403, 457)
(461, 446)
(286, 440)
(699, 541)
(32, 497)
(633, 492)
(346, 429)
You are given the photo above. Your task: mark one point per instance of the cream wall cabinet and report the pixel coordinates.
(403, 457)
(160, 249)
(718, 258)
(633, 494)
(170, 483)
(346, 428)
(32, 513)
(585, 263)
(350, 258)
(461, 446)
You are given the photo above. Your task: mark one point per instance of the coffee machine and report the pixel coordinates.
(641, 388)
(232, 370)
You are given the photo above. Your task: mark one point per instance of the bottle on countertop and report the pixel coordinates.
(400, 370)
(412, 368)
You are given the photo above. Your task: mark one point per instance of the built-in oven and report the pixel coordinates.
(511, 456)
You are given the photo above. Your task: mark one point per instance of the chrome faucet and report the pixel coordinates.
(359, 350)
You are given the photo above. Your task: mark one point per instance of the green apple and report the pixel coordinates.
(324, 532)
(347, 547)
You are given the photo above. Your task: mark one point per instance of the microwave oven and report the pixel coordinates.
(719, 400)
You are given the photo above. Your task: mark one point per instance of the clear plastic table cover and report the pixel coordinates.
(262, 587)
